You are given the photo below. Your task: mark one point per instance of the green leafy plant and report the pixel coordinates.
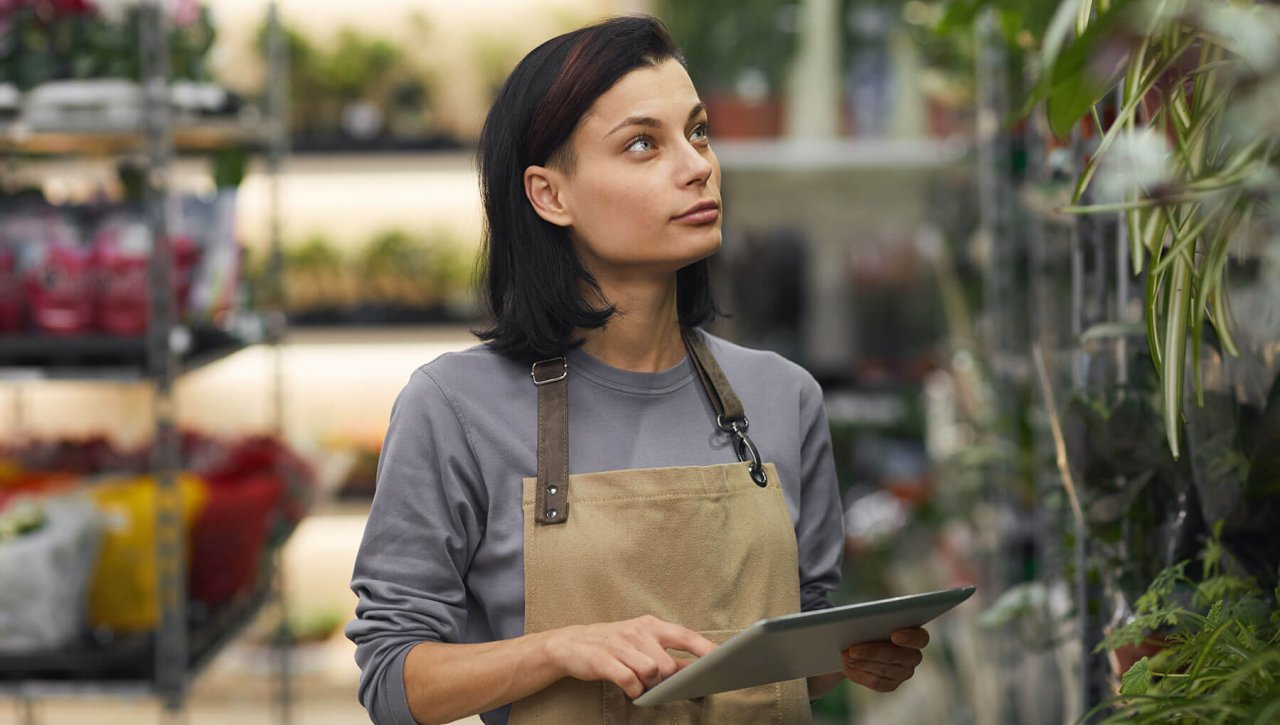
(724, 38)
(75, 39)
(318, 275)
(1222, 659)
(327, 79)
(1188, 157)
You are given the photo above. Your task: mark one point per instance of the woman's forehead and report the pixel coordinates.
(650, 91)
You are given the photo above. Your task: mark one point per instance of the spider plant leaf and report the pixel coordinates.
(1198, 311)
(1084, 12)
(1221, 319)
(1159, 64)
(1175, 347)
(1151, 309)
(1184, 240)
(1133, 221)
(1153, 233)
(1214, 296)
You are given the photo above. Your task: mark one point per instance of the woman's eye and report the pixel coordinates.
(642, 143)
(700, 132)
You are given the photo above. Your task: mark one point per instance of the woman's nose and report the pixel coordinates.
(698, 165)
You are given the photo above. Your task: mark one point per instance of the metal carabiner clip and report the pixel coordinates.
(746, 450)
(756, 468)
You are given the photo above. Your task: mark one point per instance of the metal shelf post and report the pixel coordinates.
(171, 643)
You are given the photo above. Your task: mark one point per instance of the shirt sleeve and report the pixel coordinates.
(423, 529)
(820, 530)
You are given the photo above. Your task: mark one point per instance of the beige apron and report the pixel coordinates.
(711, 548)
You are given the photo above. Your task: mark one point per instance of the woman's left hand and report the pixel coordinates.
(882, 666)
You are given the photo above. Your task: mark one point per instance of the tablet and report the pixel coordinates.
(795, 646)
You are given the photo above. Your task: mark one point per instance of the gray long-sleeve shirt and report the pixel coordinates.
(442, 554)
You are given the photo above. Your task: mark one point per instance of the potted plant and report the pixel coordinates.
(738, 54)
(1219, 657)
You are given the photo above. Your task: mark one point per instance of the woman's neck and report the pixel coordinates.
(644, 334)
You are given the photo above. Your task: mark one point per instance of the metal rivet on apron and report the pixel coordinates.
(551, 513)
(553, 490)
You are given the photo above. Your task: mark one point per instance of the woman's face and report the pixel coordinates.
(642, 163)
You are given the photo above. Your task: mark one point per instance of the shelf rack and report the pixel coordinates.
(126, 666)
(173, 655)
(108, 358)
(189, 134)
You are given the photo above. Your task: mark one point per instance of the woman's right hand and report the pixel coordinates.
(631, 654)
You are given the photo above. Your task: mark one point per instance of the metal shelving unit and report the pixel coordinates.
(105, 357)
(123, 137)
(162, 663)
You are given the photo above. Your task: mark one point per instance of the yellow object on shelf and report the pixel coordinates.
(10, 471)
(124, 596)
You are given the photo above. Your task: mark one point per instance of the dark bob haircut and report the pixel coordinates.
(533, 278)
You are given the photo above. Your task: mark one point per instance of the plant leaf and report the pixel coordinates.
(1138, 678)
(1068, 81)
(1055, 36)
(1175, 347)
(1151, 308)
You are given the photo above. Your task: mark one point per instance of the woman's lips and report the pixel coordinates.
(700, 216)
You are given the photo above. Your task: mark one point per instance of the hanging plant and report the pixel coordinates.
(1188, 158)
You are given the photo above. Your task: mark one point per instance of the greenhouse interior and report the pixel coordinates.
(1029, 251)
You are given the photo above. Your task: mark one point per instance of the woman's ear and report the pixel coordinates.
(544, 188)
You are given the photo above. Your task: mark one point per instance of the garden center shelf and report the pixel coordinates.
(125, 665)
(193, 135)
(33, 356)
(82, 120)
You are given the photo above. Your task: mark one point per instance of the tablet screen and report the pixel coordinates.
(795, 646)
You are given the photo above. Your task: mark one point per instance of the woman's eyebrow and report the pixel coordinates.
(650, 121)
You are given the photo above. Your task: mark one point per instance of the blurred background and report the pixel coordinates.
(1028, 248)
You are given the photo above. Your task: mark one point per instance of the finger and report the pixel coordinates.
(914, 638)
(677, 637)
(888, 672)
(870, 681)
(624, 677)
(648, 644)
(641, 664)
(884, 653)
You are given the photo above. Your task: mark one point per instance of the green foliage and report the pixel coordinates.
(313, 625)
(1188, 76)
(1193, 76)
(1222, 662)
(324, 78)
(1022, 23)
(229, 166)
(39, 45)
(1138, 679)
(395, 269)
(723, 38)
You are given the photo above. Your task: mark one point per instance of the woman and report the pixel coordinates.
(508, 573)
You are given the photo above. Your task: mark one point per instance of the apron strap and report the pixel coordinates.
(552, 503)
(723, 400)
(551, 376)
(730, 417)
